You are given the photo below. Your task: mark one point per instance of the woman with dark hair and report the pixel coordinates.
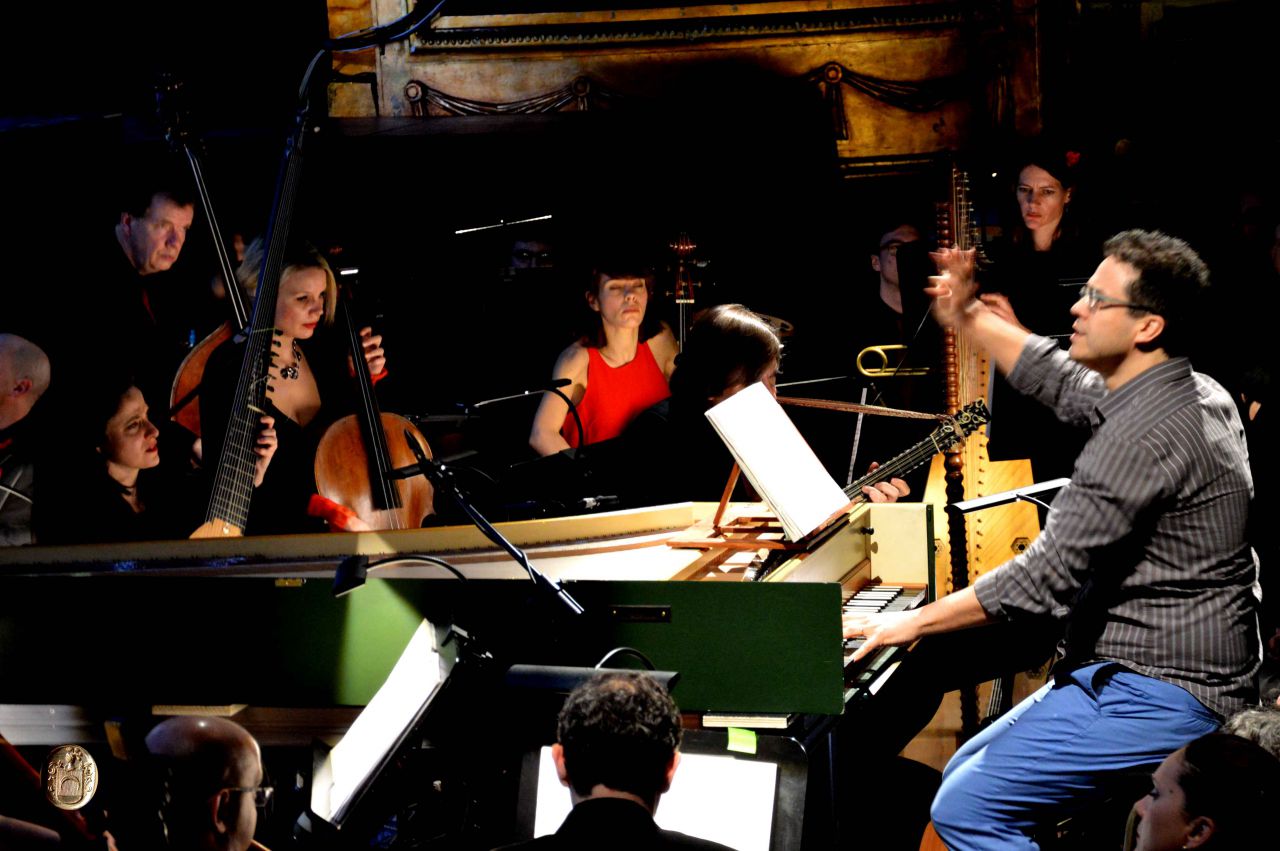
(1037, 270)
(1034, 278)
(1219, 793)
(113, 489)
(728, 348)
(616, 370)
(672, 451)
(310, 386)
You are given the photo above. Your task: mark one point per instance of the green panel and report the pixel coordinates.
(113, 640)
(120, 640)
(739, 646)
(377, 627)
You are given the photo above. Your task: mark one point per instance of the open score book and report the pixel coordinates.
(777, 460)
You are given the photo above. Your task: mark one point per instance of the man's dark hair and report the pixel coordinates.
(147, 180)
(1171, 280)
(886, 226)
(620, 730)
(1235, 783)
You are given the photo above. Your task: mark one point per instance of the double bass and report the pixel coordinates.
(184, 395)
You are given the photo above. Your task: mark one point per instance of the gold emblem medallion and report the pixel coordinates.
(70, 777)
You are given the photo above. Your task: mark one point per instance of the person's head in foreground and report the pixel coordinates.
(1219, 792)
(618, 736)
(212, 776)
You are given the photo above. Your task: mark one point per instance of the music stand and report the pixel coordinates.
(776, 772)
(343, 775)
(1005, 497)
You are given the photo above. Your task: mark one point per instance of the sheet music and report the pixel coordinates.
(777, 461)
(417, 674)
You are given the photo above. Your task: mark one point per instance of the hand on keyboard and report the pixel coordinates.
(880, 629)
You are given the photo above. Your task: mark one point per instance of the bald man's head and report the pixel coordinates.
(211, 766)
(24, 376)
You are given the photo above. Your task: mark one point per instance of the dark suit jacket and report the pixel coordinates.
(613, 823)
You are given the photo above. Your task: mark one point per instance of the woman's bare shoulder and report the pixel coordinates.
(572, 361)
(664, 348)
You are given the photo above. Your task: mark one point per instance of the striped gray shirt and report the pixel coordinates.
(1144, 553)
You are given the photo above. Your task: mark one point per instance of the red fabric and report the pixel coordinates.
(336, 514)
(616, 395)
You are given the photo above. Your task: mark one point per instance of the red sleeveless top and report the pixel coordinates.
(616, 395)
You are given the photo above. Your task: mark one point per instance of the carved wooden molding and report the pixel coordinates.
(676, 24)
(913, 96)
(582, 94)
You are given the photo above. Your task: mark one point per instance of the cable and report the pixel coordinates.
(439, 562)
(629, 651)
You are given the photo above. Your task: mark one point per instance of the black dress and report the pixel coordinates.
(1041, 286)
(90, 508)
(279, 504)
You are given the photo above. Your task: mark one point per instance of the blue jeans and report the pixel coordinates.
(1050, 753)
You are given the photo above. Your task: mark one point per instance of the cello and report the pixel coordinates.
(354, 462)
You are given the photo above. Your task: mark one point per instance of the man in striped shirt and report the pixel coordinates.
(1144, 554)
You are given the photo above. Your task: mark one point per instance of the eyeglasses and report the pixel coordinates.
(1096, 300)
(261, 794)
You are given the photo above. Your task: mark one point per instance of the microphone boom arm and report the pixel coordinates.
(442, 478)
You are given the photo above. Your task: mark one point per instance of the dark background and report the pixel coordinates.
(1173, 118)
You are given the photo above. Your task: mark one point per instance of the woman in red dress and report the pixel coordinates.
(615, 371)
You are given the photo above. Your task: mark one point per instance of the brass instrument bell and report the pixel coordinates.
(882, 369)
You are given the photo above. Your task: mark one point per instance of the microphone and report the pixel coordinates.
(552, 387)
(469, 410)
(546, 388)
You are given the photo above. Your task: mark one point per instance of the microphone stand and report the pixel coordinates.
(441, 477)
(553, 387)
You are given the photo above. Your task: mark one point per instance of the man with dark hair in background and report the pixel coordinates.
(618, 748)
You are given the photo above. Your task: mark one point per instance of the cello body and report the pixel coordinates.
(343, 473)
(184, 396)
(354, 460)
